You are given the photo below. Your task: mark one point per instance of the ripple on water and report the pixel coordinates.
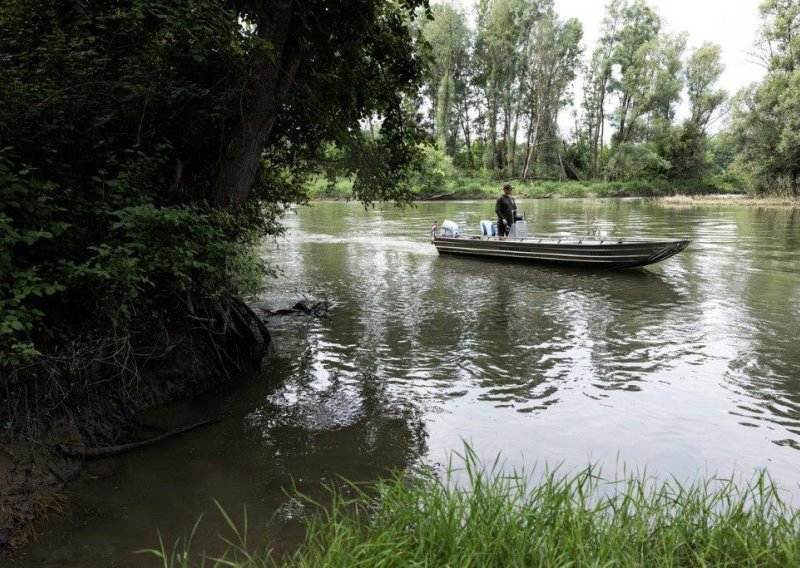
(686, 367)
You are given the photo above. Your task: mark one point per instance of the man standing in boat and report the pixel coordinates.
(505, 208)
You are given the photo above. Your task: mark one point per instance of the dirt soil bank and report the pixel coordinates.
(93, 406)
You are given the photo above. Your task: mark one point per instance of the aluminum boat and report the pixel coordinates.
(591, 252)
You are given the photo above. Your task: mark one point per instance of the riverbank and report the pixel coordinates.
(477, 516)
(65, 408)
(733, 200)
(478, 188)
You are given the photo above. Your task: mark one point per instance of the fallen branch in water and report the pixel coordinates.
(99, 453)
(318, 308)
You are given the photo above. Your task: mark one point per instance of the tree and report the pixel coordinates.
(447, 78)
(766, 117)
(154, 142)
(356, 61)
(501, 42)
(637, 66)
(552, 60)
(703, 70)
(685, 147)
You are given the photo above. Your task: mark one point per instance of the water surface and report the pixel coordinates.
(689, 367)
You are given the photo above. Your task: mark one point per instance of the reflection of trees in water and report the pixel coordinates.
(643, 330)
(792, 229)
(432, 328)
(546, 329)
(320, 425)
(321, 428)
(745, 285)
(342, 404)
(765, 370)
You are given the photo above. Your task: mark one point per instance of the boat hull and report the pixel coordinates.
(584, 252)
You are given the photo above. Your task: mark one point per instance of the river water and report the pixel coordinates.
(689, 367)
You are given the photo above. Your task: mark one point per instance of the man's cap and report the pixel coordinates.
(507, 187)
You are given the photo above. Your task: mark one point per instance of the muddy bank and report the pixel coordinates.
(59, 412)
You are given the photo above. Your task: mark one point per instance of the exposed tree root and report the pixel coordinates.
(72, 404)
(99, 453)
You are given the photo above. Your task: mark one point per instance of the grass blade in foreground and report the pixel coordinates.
(579, 519)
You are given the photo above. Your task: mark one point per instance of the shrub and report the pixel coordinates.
(435, 171)
(30, 268)
(634, 162)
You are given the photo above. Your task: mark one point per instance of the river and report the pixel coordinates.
(686, 368)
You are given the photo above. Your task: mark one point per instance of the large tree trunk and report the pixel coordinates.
(601, 141)
(623, 116)
(505, 148)
(512, 155)
(490, 155)
(271, 75)
(599, 130)
(528, 144)
(467, 138)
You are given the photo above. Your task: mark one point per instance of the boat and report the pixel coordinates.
(585, 252)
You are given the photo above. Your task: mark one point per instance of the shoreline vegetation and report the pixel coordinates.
(57, 428)
(669, 193)
(492, 518)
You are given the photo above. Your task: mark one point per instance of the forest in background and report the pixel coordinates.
(501, 77)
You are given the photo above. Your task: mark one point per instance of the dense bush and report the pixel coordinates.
(629, 162)
(30, 268)
(152, 258)
(109, 111)
(436, 171)
(115, 119)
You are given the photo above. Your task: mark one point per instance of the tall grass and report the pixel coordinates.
(495, 519)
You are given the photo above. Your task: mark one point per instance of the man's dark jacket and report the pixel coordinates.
(504, 208)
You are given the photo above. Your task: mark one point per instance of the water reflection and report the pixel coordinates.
(713, 325)
(686, 367)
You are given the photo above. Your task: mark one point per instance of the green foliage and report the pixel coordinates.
(30, 272)
(636, 162)
(478, 515)
(446, 82)
(117, 115)
(730, 180)
(685, 149)
(521, 68)
(164, 255)
(703, 70)
(363, 62)
(765, 118)
(765, 121)
(114, 109)
(152, 259)
(435, 172)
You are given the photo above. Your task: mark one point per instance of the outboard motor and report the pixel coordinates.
(449, 229)
(519, 230)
